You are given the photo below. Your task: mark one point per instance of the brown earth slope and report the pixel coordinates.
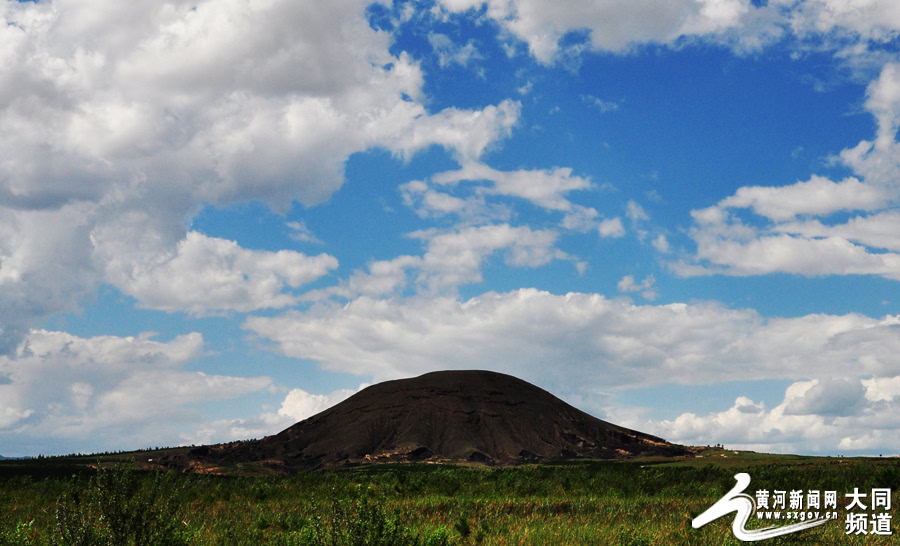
(446, 416)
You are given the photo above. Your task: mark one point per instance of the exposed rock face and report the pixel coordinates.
(452, 416)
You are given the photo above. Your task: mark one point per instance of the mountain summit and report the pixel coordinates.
(449, 416)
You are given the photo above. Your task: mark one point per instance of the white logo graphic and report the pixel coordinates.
(744, 506)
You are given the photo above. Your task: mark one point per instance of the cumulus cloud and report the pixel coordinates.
(206, 274)
(299, 404)
(45, 266)
(119, 124)
(452, 258)
(826, 415)
(602, 105)
(478, 200)
(645, 287)
(450, 53)
(636, 212)
(610, 26)
(878, 160)
(301, 233)
(611, 227)
(829, 397)
(790, 254)
(430, 202)
(791, 239)
(661, 243)
(156, 93)
(858, 24)
(814, 227)
(169, 392)
(107, 388)
(886, 389)
(879, 230)
(466, 133)
(606, 343)
(380, 278)
(478, 196)
(859, 32)
(545, 188)
(818, 196)
(456, 257)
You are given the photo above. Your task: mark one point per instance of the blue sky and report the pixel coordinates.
(218, 218)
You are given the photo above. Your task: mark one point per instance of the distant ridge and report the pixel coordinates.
(449, 416)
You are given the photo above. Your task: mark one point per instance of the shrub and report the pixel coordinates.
(119, 508)
(359, 521)
(437, 537)
(22, 534)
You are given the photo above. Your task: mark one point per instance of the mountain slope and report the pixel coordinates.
(443, 416)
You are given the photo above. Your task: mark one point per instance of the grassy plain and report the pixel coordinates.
(63, 501)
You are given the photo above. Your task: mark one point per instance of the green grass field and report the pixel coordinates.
(62, 501)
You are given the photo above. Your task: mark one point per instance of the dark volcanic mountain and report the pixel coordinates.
(441, 416)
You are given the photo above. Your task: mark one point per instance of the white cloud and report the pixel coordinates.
(108, 352)
(45, 266)
(452, 258)
(828, 397)
(796, 230)
(301, 233)
(545, 188)
(581, 219)
(455, 258)
(602, 105)
(449, 53)
(611, 227)
(880, 230)
(119, 124)
(635, 212)
(661, 244)
(878, 160)
(857, 31)
(299, 404)
(819, 196)
(878, 389)
(382, 278)
(884, 102)
(604, 343)
(611, 26)
(829, 415)
(206, 274)
(150, 395)
(428, 202)
(467, 133)
(861, 245)
(645, 287)
(861, 21)
(117, 391)
(788, 254)
(155, 93)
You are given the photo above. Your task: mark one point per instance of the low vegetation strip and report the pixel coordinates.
(63, 503)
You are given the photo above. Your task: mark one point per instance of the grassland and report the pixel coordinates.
(63, 501)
